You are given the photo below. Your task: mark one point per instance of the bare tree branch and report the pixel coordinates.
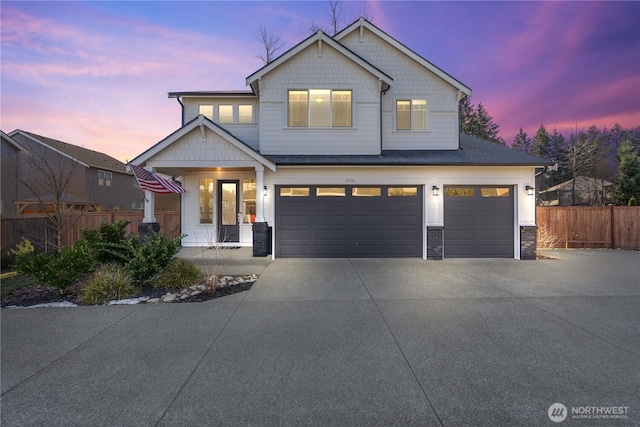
(271, 44)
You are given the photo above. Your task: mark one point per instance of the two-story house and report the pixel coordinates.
(346, 146)
(77, 178)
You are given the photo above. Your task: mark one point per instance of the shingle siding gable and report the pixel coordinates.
(410, 80)
(330, 70)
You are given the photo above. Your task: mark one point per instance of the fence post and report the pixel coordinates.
(613, 227)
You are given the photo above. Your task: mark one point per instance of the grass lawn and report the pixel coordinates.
(10, 284)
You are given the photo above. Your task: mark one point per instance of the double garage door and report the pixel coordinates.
(386, 221)
(349, 221)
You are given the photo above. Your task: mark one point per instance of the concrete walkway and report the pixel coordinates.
(343, 342)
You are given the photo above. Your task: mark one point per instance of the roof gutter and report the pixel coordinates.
(182, 107)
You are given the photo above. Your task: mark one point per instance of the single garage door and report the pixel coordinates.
(349, 221)
(478, 222)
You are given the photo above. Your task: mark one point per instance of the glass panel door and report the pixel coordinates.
(229, 230)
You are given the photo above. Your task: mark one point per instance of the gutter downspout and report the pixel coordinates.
(182, 107)
(383, 91)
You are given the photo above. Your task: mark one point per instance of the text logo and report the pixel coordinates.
(557, 412)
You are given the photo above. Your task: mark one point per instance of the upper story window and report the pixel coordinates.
(319, 108)
(245, 114)
(104, 178)
(225, 113)
(206, 110)
(411, 114)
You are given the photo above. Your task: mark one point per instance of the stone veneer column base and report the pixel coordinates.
(435, 243)
(528, 242)
(146, 229)
(261, 239)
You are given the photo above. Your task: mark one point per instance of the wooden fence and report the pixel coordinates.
(35, 228)
(591, 227)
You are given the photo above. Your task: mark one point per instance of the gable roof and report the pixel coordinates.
(472, 152)
(84, 156)
(318, 37)
(583, 183)
(13, 143)
(202, 121)
(361, 22)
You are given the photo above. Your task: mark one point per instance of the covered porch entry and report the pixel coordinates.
(224, 182)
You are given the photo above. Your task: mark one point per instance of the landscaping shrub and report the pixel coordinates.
(108, 242)
(179, 274)
(110, 282)
(149, 258)
(58, 270)
(23, 256)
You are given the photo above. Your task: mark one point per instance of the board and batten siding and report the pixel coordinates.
(247, 133)
(328, 70)
(410, 81)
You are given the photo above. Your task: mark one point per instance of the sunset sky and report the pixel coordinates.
(97, 74)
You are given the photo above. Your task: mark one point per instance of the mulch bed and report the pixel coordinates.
(36, 294)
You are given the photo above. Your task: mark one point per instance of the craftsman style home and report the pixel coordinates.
(345, 146)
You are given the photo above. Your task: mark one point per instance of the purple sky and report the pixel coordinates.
(97, 74)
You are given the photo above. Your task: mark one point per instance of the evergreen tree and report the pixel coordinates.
(627, 184)
(522, 142)
(476, 121)
(467, 116)
(542, 144)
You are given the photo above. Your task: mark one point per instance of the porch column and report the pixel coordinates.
(149, 207)
(149, 224)
(259, 193)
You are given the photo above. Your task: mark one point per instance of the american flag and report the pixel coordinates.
(154, 182)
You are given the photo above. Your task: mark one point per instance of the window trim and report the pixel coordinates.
(232, 114)
(308, 105)
(107, 178)
(411, 101)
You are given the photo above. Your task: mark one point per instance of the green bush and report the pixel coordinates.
(23, 256)
(58, 270)
(110, 282)
(64, 269)
(108, 242)
(179, 274)
(149, 258)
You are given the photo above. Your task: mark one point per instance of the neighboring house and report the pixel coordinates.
(75, 178)
(11, 156)
(582, 190)
(346, 146)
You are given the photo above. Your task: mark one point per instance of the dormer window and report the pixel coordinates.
(319, 108)
(411, 114)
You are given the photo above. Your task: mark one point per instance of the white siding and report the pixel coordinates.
(410, 81)
(205, 234)
(308, 70)
(247, 133)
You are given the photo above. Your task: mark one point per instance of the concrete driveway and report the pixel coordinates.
(345, 342)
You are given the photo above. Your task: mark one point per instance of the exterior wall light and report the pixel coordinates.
(264, 191)
(435, 190)
(530, 190)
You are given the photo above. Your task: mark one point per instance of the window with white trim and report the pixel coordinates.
(319, 108)
(411, 114)
(245, 114)
(206, 110)
(225, 113)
